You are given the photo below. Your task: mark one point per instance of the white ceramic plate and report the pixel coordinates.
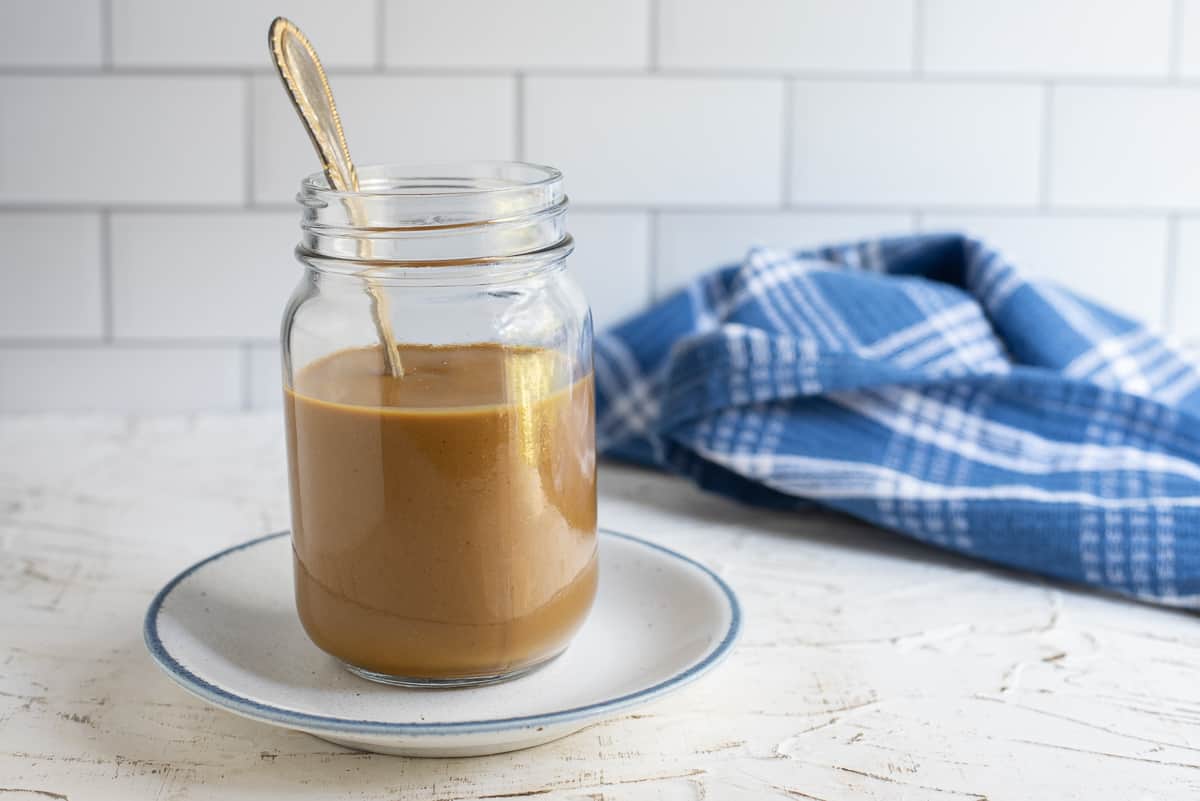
(226, 629)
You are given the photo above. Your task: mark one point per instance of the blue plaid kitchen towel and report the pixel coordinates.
(924, 385)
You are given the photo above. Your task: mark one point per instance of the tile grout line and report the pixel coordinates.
(766, 206)
(519, 115)
(834, 76)
(106, 35)
(380, 35)
(1171, 278)
(1046, 148)
(106, 278)
(652, 224)
(134, 343)
(1024, 210)
(141, 208)
(652, 34)
(788, 144)
(248, 143)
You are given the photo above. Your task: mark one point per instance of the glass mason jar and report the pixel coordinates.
(440, 423)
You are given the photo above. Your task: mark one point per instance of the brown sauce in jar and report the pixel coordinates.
(444, 523)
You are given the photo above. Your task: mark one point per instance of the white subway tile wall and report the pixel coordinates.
(51, 33)
(612, 261)
(149, 160)
(386, 119)
(1118, 147)
(52, 284)
(766, 35)
(690, 243)
(118, 139)
(659, 140)
(231, 33)
(263, 376)
(1187, 33)
(892, 143)
(1048, 38)
(517, 34)
(172, 279)
(1184, 309)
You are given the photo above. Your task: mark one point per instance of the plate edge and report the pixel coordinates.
(304, 721)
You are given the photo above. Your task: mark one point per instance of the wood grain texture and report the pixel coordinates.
(870, 667)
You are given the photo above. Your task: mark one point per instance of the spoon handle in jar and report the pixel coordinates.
(306, 83)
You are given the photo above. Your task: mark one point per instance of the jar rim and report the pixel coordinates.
(455, 179)
(436, 213)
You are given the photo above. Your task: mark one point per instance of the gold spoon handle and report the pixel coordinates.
(306, 83)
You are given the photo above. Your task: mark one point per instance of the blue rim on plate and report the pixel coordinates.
(335, 725)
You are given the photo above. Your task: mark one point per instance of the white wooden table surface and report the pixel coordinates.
(870, 667)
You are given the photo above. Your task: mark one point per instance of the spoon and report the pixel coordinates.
(304, 78)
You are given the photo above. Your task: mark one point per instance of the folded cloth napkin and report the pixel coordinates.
(924, 385)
